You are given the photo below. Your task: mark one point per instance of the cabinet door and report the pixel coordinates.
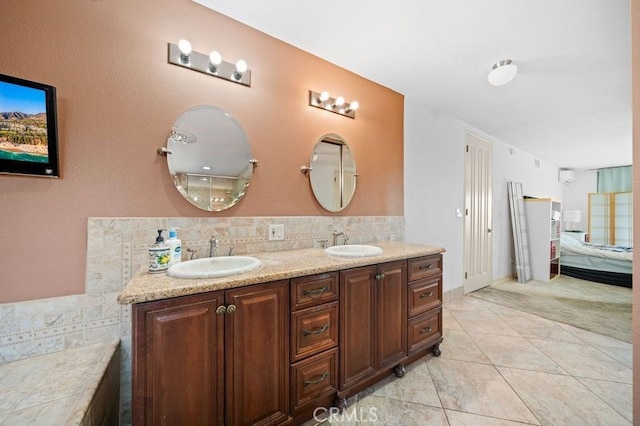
(257, 349)
(178, 357)
(357, 310)
(391, 313)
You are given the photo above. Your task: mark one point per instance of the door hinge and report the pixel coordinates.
(465, 275)
(467, 148)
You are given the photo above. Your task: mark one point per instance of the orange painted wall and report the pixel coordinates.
(117, 100)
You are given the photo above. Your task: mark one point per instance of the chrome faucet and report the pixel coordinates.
(193, 252)
(336, 234)
(213, 246)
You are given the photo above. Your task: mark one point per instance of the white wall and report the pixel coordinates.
(576, 195)
(434, 187)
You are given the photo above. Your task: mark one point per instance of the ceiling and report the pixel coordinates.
(569, 104)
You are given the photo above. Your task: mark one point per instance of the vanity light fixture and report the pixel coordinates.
(338, 105)
(181, 54)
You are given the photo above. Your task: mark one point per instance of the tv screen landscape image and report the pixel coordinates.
(28, 128)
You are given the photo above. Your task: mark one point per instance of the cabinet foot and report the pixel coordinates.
(399, 370)
(341, 403)
(436, 350)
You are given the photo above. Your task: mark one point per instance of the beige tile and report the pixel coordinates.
(483, 322)
(560, 400)
(584, 361)
(514, 351)
(468, 304)
(594, 338)
(459, 346)
(449, 322)
(51, 413)
(622, 355)
(416, 386)
(389, 412)
(477, 389)
(531, 326)
(459, 418)
(618, 395)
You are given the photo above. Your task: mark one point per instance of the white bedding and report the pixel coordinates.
(572, 246)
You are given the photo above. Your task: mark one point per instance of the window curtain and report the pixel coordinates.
(615, 179)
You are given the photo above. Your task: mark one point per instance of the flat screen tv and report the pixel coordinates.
(28, 128)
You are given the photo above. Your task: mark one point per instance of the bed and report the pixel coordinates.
(603, 264)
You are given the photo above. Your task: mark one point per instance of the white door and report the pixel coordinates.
(478, 184)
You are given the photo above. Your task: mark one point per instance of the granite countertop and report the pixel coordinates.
(144, 287)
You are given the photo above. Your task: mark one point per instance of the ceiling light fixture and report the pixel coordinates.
(502, 72)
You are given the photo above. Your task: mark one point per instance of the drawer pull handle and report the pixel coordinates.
(426, 330)
(423, 267)
(316, 381)
(425, 295)
(316, 331)
(316, 291)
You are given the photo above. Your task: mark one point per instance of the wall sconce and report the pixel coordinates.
(337, 105)
(212, 64)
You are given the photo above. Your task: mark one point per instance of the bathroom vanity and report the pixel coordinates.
(304, 330)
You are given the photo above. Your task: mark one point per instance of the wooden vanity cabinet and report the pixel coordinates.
(213, 358)
(314, 343)
(424, 305)
(373, 324)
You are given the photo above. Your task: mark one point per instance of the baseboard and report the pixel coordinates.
(506, 279)
(453, 294)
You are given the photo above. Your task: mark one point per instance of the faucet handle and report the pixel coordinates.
(323, 243)
(193, 252)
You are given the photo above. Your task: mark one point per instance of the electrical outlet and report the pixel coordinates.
(276, 232)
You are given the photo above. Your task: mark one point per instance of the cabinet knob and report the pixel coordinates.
(231, 309)
(379, 277)
(221, 310)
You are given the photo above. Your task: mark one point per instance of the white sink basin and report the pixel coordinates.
(354, 250)
(212, 267)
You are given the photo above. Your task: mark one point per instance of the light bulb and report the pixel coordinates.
(215, 58)
(339, 101)
(241, 66)
(185, 47)
(324, 96)
(354, 106)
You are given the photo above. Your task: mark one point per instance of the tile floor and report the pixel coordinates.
(500, 366)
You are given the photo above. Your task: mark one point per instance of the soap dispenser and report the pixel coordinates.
(159, 255)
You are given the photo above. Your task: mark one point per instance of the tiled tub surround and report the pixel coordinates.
(79, 386)
(117, 247)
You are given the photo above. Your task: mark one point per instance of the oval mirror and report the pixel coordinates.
(332, 172)
(209, 158)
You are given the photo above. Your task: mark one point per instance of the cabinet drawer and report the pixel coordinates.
(423, 328)
(424, 295)
(314, 330)
(314, 378)
(313, 290)
(423, 267)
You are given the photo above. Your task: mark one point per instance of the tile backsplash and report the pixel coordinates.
(117, 247)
